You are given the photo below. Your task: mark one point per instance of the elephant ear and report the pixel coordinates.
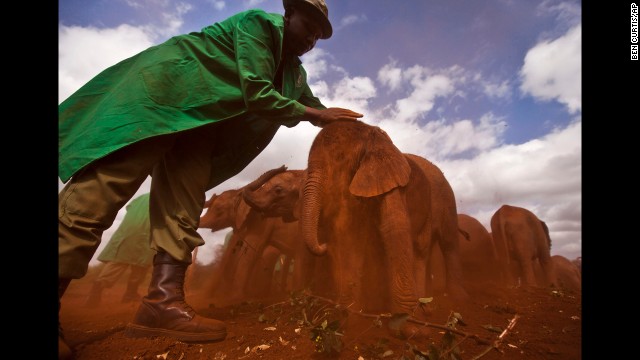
(382, 168)
(241, 213)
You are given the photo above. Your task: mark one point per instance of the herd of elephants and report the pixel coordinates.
(365, 218)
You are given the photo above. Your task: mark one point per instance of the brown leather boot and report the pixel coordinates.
(64, 351)
(164, 312)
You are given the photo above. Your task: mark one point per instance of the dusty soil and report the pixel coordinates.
(548, 325)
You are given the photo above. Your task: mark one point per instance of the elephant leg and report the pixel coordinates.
(284, 274)
(247, 258)
(526, 268)
(435, 272)
(395, 230)
(422, 276)
(347, 266)
(548, 269)
(303, 268)
(515, 274)
(451, 254)
(505, 271)
(261, 277)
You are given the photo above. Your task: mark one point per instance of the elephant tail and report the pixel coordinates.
(502, 230)
(546, 233)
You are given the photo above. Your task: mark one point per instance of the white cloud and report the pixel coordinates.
(77, 65)
(253, 3)
(134, 4)
(172, 19)
(440, 140)
(350, 20)
(352, 93)
(217, 4)
(564, 11)
(542, 175)
(426, 88)
(390, 76)
(315, 64)
(501, 90)
(112, 45)
(553, 70)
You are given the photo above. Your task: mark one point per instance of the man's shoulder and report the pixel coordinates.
(261, 14)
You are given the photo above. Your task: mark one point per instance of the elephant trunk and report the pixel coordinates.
(254, 185)
(248, 192)
(311, 211)
(207, 220)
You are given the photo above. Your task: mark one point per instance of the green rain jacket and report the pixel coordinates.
(223, 73)
(130, 243)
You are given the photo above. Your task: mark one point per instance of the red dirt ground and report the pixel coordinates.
(549, 326)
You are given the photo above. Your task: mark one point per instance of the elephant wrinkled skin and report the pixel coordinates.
(276, 194)
(522, 241)
(376, 214)
(249, 257)
(568, 274)
(478, 255)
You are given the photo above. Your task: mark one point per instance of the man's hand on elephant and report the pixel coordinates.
(321, 118)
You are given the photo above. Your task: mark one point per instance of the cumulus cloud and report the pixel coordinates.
(172, 19)
(499, 90)
(439, 140)
(112, 45)
(352, 93)
(108, 47)
(167, 15)
(218, 5)
(566, 12)
(253, 3)
(552, 70)
(426, 88)
(350, 20)
(390, 76)
(316, 64)
(542, 175)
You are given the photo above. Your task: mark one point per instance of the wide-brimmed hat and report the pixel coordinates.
(318, 9)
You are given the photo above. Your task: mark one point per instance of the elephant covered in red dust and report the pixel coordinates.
(244, 257)
(578, 262)
(440, 235)
(370, 210)
(568, 274)
(522, 241)
(276, 194)
(478, 255)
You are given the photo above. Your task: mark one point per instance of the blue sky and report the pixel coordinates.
(489, 91)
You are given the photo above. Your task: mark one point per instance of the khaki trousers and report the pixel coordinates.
(180, 165)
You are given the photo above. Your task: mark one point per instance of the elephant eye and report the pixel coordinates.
(277, 189)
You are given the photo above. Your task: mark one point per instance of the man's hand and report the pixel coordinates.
(321, 118)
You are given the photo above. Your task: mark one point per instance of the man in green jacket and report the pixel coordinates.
(128, 249)
(191, 112)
